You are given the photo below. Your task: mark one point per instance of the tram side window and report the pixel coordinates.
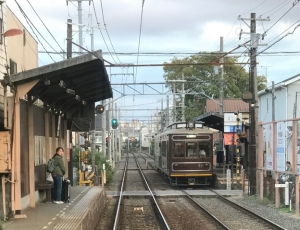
(178, 149)
(191, 149)
(203, 150)
(164, 148)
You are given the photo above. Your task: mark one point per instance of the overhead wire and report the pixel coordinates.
(14, 17)
(98, 24)
(296, 27)
(45, 25)
(254, 7)
(294, 4)
(139, 43)
(30, 23)
(140, 34)
(278, 6)
(104, 23)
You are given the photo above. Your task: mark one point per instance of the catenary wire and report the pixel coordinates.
(107, 30)
(254, 8)
(45, 25)
(140, 34)
(296, 27)
(14, 17)
(294, 4)
(278, 6)
(28, 20)
(98, 24)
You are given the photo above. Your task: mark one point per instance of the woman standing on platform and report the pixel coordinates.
(57, 174)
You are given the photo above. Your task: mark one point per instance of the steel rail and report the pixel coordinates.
(235, 205)
(207, 212)
(152, 195)
(121, 195)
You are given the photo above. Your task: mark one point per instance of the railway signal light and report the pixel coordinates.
(114, 123)
(99, 109)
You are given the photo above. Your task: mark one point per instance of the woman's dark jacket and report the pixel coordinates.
(59, 168)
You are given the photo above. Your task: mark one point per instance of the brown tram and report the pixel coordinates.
(184, 153)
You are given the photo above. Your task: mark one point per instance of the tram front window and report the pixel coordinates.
(191, 149)
(179, 149)
(203, 149)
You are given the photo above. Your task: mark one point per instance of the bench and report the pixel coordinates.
(46, 186)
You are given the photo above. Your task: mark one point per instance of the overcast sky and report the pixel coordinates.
(169, 26)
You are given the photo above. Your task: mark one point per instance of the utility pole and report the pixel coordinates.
(109, 129)
(174, 103)
(253, 105)
(104, 131)
(80, 25)
(69, 39)
(221, 108)
(120, 136)
(116, 137)
(183, 97)
(162, 115)
(168, 112)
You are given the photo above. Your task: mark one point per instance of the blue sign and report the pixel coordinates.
(231, 128)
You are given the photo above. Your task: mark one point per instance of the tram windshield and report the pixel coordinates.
(178, 149)
(190, 149)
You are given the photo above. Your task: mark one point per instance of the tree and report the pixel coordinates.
(236, 81)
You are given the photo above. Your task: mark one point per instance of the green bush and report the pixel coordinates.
(100, 159)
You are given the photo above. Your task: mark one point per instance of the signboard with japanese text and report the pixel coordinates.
(298, 149)
(230, 118)
(280, 146)
(231, 128)
(268, 145)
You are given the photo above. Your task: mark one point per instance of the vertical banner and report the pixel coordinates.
(268, 140)
(281, 146)
(298, 148)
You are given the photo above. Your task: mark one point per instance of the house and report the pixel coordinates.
(281, 102)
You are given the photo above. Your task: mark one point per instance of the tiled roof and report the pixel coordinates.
(230, 105)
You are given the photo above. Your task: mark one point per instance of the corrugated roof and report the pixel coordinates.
(230, 105)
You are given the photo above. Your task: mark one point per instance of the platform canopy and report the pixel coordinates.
(68, 87)
(212, 120)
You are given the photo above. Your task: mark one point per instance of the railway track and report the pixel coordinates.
(130, 212)
(139, 206)
(232, 215)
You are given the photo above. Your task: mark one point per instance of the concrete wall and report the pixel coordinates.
(22, 49)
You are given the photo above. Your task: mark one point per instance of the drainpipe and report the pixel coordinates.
(3, 197)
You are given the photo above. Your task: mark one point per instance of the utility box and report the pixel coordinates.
(5, 154)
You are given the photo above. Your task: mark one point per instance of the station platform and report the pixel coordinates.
(83, 212)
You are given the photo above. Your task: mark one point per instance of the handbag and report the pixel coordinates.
(49, 178)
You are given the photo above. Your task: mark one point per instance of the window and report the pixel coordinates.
(191, 149)
(178, 149)
(204, 149)
(164, 148)
(12, 67)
